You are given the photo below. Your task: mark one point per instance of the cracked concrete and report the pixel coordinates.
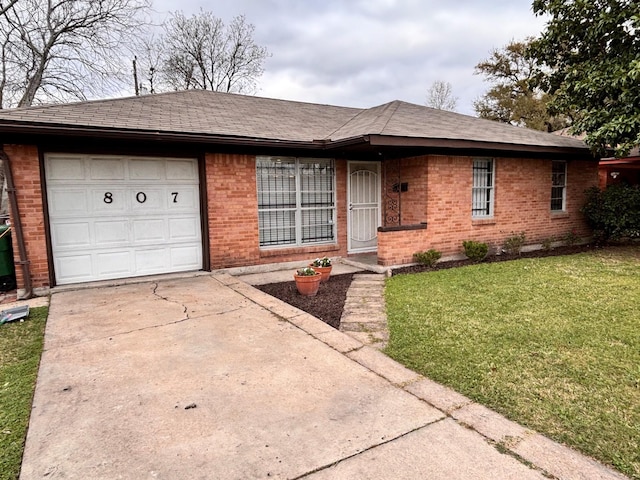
(249, 387)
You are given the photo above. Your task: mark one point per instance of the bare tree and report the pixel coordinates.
(440, 96)
(62, 49)
(4, 8)
(201, 52)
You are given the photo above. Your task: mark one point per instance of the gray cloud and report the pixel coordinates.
(365, 52)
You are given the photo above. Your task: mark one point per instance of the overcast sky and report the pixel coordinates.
(363, 53)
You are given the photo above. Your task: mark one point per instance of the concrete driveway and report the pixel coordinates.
(208, 378)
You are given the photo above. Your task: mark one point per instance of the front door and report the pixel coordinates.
(364, 206)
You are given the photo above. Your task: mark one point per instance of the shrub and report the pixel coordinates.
(476, 251)
(513, 244)
(613, 213)
(428, 258)
(571, 237)
(547, 243)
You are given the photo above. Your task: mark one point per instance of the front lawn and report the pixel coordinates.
(20, 350)
(552, 343)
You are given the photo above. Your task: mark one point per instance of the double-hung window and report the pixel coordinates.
(483, 188)
(558, 186)
(296, 201)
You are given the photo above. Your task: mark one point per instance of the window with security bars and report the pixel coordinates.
(296, 200)
(482, 191)
(558, 186)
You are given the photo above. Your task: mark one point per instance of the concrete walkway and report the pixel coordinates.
(364, 317)
(208, 377)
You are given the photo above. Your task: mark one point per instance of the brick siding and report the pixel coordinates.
(439, 193)
(233, 216)
(522, 204)
(25, 167)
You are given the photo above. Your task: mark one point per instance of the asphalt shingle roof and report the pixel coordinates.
(229, 115)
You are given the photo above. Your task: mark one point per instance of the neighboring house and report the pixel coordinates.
(617, 171)
(199, 180)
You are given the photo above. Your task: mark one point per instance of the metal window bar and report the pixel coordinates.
(482, 191)
(296, 201)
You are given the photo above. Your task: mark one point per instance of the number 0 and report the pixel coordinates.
(141, 197)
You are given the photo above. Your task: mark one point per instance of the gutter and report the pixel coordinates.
(17, 226)
(151, 135)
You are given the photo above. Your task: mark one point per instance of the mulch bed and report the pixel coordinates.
(328, 304)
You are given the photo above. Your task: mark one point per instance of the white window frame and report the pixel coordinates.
(296, 206)
(558, 181)
(483, 188)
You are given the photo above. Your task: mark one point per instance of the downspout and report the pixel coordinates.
(17, 225)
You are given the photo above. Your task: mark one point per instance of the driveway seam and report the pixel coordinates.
(372, 447)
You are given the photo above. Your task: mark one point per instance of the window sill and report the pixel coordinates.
(292, 250)
(401, 228)
(559, 214)
(476, 222)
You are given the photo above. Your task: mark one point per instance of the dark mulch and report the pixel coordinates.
(328, 304)
(567, 250)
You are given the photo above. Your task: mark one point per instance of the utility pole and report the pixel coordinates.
(135, 76)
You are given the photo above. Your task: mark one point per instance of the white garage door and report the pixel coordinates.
(117, 217)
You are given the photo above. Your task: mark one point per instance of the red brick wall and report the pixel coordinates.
(414, 200)
(522, 199)
(233, 216)
(25, 166)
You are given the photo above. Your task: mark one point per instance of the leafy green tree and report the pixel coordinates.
(512, 98)
(590, 53)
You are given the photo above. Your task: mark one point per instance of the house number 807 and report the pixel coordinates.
(141, 197)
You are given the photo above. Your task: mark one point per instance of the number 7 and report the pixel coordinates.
(175, 197)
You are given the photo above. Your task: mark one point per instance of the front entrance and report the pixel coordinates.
(363, 191)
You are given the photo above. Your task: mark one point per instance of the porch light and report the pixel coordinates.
(614, 175)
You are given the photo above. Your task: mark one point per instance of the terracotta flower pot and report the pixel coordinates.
(308, 285)
(325, 271)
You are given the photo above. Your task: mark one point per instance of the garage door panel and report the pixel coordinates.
(113, 264)
(69, 202)
(116, 217)
(146, 169)
(149, 230)
(182, 198)
(75, 268)
(184, 258)
(147, 200)
(107, 200)
(182, 170)
(111, 232)
(106, 169)
(153, 260)
(72, 234)
(64, 168)
(185, 228)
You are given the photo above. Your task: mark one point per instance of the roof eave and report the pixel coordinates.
(472, 145)
(152, 135)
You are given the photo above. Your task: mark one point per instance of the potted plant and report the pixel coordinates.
(307, 281)
(322, 265)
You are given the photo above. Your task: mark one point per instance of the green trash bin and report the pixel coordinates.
(7, 269)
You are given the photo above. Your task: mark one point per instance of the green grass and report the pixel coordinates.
(20, 350)
(552, 343)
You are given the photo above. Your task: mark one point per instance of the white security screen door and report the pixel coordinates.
(364, 206)
(122, 216)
